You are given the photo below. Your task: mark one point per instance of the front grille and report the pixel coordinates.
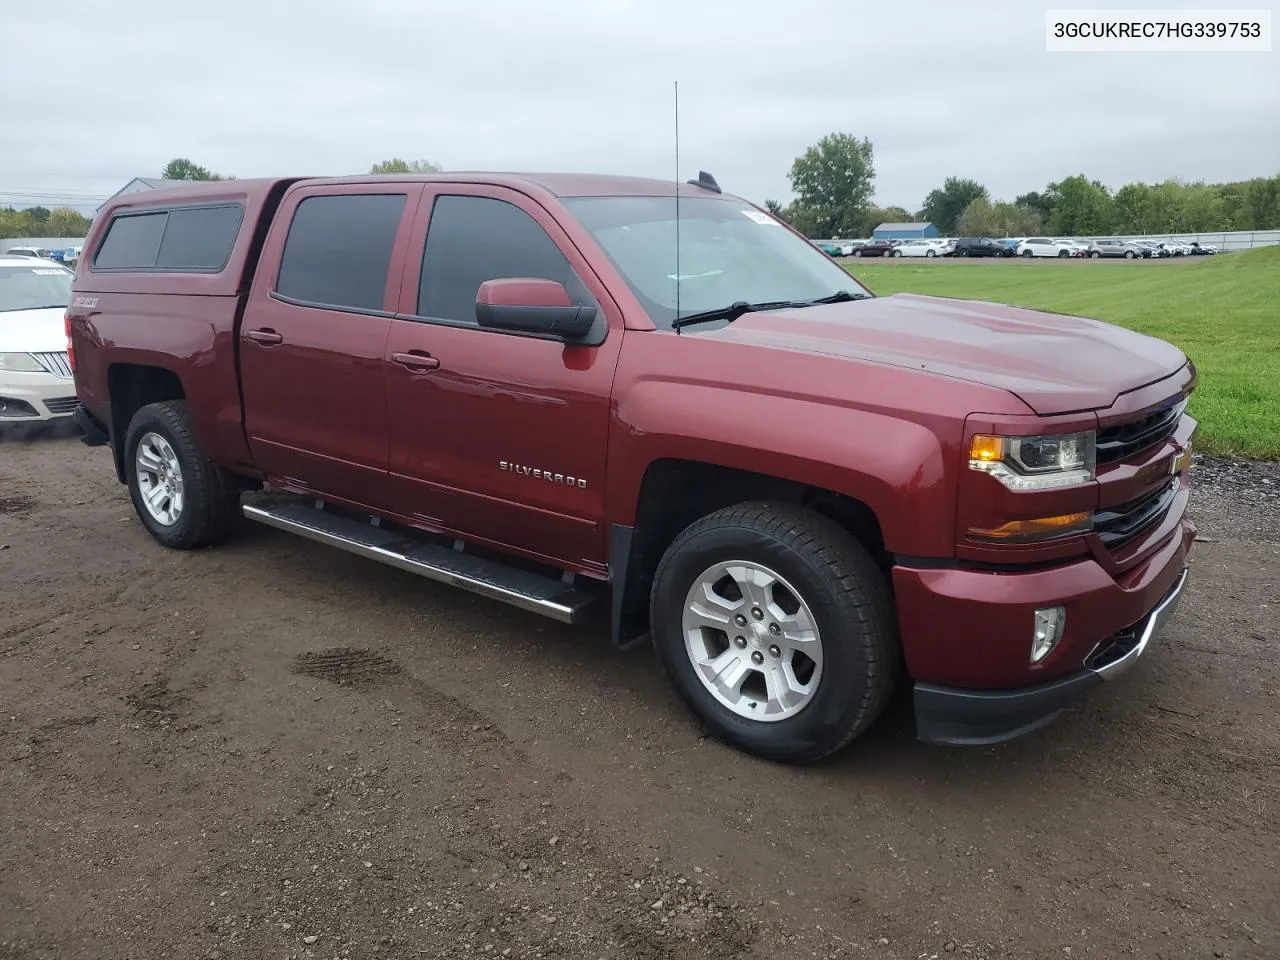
(59, 405)
(1125, 439)
(54, 363)
(1117, 525)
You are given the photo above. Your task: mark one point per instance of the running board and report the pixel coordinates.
(551, 597)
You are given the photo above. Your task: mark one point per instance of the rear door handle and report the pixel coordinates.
(266, 336)
(416, 360)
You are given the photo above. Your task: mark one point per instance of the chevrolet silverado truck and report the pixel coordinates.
(574, 391)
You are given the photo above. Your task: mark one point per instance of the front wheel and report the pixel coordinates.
(1063, 254)
(1094, 255)
(897, 253)
(182, 498)
(776, 628)
(1129, 254)
(930, 253)
(1027, 253)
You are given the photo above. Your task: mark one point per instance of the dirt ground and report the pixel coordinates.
(274, 749)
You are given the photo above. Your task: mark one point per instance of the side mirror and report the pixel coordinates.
(530, 305)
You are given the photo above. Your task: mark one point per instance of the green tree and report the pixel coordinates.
(39, 215)
(65, 222)
(814, 224)
(832, 181)
(396, 165)
(1042, 203)
(875, 216)
(943, 205)
(982, 218)
(774, 207)
(1081, 207)
(180, 168)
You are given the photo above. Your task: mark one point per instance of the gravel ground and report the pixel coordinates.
(274, 749)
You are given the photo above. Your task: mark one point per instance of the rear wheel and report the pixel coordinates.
(1129, 255)
(1027, 253)
(1062, 254)
(857, 253)
(182, 498)
(930, 253)
(777, 630)
(1094, 255)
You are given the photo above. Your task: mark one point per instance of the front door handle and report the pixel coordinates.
(266, 336)
(416, 360)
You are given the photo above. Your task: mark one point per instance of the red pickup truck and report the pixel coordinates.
(567, 390)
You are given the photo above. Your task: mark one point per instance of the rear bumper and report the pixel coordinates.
(962, 717)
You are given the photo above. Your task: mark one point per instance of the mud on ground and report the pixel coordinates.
(274, 749)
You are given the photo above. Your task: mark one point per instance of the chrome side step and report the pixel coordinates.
(549, 596)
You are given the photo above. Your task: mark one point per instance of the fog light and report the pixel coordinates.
(1049, 623)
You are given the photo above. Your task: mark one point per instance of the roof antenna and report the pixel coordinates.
(677, 179)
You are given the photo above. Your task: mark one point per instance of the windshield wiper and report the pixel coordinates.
(840, 296)
(731, 313)
(734, 310)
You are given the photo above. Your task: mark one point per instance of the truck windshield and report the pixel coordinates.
(33, 287)
(729, 252)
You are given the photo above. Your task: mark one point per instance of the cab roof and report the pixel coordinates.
(560, 185)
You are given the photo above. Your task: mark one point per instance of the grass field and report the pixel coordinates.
(1223, 311)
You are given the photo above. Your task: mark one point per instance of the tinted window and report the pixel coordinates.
(199, 238)
(474, 239)
(131, 242)
(339, 248)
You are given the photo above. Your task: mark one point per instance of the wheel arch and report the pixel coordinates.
(132, 386)
(675, 492)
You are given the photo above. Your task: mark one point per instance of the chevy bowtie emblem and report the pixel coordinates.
(538, 473)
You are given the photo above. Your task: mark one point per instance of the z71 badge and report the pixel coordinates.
(540, 474)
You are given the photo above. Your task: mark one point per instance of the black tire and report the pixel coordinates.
(857, 253)
(851, 605)
(897, 253)
(211, 495)
(1027, 253)
(1094, 255)
(930, 253)
(1129, 254)
(1062, 254)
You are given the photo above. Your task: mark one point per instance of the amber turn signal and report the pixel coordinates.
(1044, 528)
(986, 449)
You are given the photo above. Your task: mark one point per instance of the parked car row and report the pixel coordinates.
(1057, 247)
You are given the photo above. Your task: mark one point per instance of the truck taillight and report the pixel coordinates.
(71, 354)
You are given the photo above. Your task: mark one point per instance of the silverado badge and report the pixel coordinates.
(541, 474)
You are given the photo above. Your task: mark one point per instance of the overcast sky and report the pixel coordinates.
(96, 92)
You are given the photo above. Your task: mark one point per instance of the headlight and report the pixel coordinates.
(1035, 463)
(19, 363)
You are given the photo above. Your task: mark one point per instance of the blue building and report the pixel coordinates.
(904, 231)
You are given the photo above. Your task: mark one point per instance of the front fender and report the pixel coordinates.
(898, 468)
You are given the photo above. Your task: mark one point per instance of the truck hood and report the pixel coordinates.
(32, 331)
(1053, 363)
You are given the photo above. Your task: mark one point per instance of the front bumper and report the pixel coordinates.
(956, 716)
(35, 397)
(966, 634)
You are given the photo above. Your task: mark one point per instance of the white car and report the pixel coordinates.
(923, 248)
(36, 384)
(1046, 247)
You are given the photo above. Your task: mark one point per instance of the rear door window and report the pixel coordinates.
(338, 250)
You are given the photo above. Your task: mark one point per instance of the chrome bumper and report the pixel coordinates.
(1145, 629)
